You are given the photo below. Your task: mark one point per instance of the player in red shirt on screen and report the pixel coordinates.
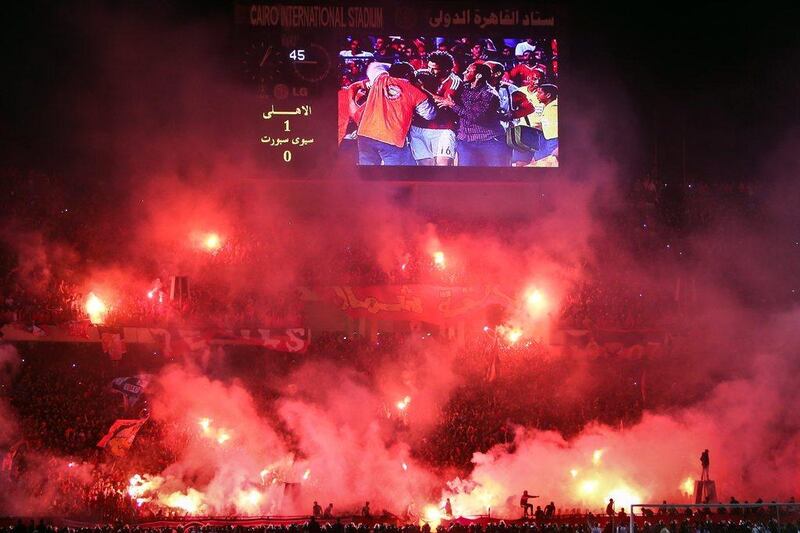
(433, 142)
(520, 73)
(386, 118)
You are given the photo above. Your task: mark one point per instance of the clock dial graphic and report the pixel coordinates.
(310, 63)
(262, 63)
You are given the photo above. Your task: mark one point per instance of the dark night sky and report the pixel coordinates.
(723, 78)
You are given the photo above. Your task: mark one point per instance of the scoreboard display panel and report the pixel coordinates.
(390, 91)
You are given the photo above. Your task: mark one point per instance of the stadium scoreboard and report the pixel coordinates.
(400, 91)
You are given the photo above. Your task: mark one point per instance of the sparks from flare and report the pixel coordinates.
(688, 486)
(306, 474)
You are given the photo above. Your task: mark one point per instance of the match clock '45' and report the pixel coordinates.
(311, 63)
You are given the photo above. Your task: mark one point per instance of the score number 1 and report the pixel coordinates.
(287, 155)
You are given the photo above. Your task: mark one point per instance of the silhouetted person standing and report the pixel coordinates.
(705, 462)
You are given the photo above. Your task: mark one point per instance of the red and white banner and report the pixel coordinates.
(113, 342)
(285, 340)
(121, 435)
(171, 342)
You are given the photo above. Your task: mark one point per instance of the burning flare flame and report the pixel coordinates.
(536, 302)
(402, 404)
(95, 308)
(438, 259)
(221, 435)
(191, 502)
(431, 515)
(212, 242)
(510, 334)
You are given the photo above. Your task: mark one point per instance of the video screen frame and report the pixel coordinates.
(448, 102)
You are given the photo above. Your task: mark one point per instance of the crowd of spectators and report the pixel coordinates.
(595, 303)
(655, 227)
(208, 305)
(611, 304)
(753, 525)
(517, 56)
(64, 405)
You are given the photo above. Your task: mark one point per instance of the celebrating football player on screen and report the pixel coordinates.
(433, 142)
(386, 118)
(481, 138)
(546, 153)
(504, 91)
(527, 115)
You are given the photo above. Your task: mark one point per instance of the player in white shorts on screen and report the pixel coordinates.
(433, 142)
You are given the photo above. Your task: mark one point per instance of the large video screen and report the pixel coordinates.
(387, 91)
(409, 100)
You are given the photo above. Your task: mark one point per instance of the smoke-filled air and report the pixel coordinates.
(187, 333)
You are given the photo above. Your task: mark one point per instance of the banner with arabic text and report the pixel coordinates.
(425, 303)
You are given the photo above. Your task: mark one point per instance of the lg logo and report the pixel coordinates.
(282, 91)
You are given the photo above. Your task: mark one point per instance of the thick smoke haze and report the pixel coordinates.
(9, 364)
(174, 159)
